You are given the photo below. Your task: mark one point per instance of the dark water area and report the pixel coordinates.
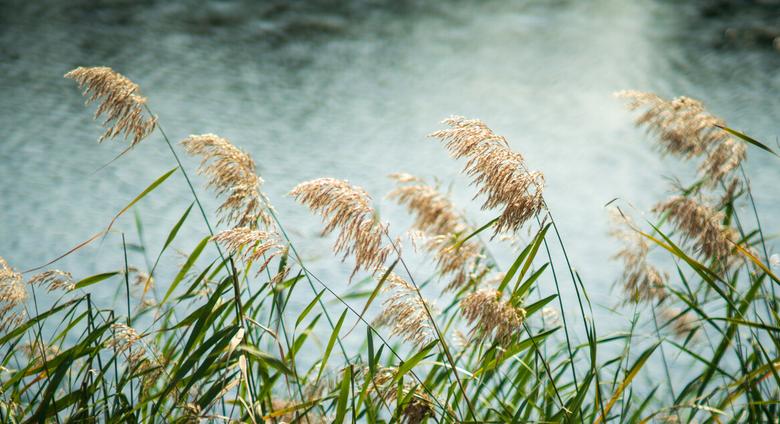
(350, 90)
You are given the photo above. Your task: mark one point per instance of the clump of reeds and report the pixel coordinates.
(406, 312)
(347, 208)
(492, 317)
(443, 227)
(501, 174)
(232, 173)
(120, 101)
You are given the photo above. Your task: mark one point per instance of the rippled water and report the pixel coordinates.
(350, 91)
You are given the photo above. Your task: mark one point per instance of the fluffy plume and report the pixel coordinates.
(38, 353)
(683, 323)
(232, 173)
(13, 294)
(435, 215)
(405, 312)
(642, 282)
(347, 208)
(383, 382)
(701, 225)
(125, 340)
(492, 317)
(251, 245)
(120, 102)
(501, 174)
(685, 128)
(54, 280)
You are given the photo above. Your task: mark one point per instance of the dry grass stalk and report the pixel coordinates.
(54, 280)
(685, 128)
(435, 215)
(642, 282)
(13, 294)
(231, 173)
(701, 225)
(383, 383)
(405, 313)
(491, 316)
(251, 245)
(501, 173)
(120, 102)
(347, 208)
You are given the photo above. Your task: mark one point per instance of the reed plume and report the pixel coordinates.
(232, 173)
(347, 208)
(39, 353)
(501, 174)
(436, 216)
(120, 102)
(125, 340)
(384, 383)
(405, 313)
(685, 128)
(642, 282)
(701, 225)
(492, 317)
(13, 294)
(54, 280)
(251, 245)
(683, 323)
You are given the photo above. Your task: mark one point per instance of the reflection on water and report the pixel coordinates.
(349, 90)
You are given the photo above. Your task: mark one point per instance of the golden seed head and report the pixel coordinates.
(404, 312)
(384, 384)
(347, 208)
(501, 174)
(232, 174)
(492, 317)
(13, 294)
(54, 280)
(684, 128)
(701, 225)
(435, 215)
(251, 245)
(642, 282)
(120, 102)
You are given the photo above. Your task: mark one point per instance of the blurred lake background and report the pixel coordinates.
(350, 90)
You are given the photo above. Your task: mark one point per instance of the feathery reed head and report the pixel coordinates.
(701, 225)
(405, 312)
(347, 208)
(54, 280)
(642, 282)
(683, 323)
(684, 128)
(120, 101)
(251, 245)
(231, 173)
(491, 316)
(435, 215)
(12, 295)
(502, 174)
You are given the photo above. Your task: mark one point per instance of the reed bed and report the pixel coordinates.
(221, 341)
